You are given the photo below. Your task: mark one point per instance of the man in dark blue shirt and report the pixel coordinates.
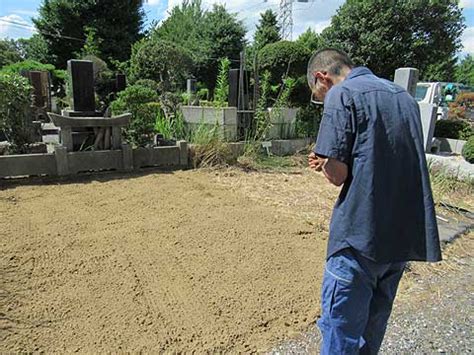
(371, 142)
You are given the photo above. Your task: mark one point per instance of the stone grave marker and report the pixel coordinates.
(407, 78)
(81, 73)
(120, 82)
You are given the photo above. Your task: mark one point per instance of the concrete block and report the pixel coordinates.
(428, 122)
(158, 156)
(95, 161)
(183, 153)
(27, 164)
(282, 123)
(127, 157)
(407, 78)
(449, 145)
(62, 165)
(289, 146)
(225, 118)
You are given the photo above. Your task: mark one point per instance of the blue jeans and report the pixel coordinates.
(357, 298)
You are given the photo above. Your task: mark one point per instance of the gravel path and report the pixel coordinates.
(433, 313)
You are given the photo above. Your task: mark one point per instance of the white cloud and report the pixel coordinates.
(466, 4)
(29, 13)
(316, 14)
(154, 2)
(14, 26)
(468, 40)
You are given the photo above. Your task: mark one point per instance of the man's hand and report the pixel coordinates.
(334, 170)
(314, 162)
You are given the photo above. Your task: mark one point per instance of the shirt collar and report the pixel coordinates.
(359, 71)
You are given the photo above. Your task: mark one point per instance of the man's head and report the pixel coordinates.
(326, 68)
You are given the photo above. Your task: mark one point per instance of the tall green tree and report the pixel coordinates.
(9, 52)
(386, 35)
(63, 25)
(310, 40)
(465, 71)
(185, 27)
(268, 30)
(35, 48)
(207, 35)
(226, 37)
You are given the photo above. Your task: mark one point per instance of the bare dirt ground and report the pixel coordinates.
(207, 261)
(196, 260)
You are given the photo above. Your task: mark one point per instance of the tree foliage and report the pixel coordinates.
(15, 101)
(207, 35)
(284, 59)
(385, 35)
(310, 40)
(164, 62)
(268, 30)
(465, 71)
(9, 52)
(63, 26)
(35, 48)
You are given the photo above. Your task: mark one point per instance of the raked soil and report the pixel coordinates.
(216, 261)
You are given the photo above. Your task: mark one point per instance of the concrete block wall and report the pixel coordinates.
(283, 123)
(62, 162)
(225, 118)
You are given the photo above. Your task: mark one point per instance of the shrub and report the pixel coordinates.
(58, 77)
(308, 119)
(455, 129)
(165, 62)
(282, 59)
(15, 101)
(468, 150)
(221, 93)
(148, 83)
(141, 102)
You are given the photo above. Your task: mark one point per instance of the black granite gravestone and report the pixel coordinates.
(81, 74)
(120, 82)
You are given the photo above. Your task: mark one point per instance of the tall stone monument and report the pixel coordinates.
(81, 75)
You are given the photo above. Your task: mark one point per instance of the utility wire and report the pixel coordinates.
(22, 25)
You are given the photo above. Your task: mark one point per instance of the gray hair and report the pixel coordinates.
(330, 60)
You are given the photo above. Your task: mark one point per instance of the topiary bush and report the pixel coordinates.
(166, 63)
(15, 101)
(140, 101)
(468, 150)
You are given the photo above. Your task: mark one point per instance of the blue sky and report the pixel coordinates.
(315, 14)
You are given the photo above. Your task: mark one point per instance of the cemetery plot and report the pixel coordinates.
(170, 262)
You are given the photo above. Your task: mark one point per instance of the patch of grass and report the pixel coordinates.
(447, 189)
(261, 161)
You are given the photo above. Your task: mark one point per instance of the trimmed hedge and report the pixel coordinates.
(454, 129)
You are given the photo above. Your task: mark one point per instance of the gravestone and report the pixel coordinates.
(233, 87)
(191, 87)
(120, 82)
(407, 78)
(41, 83)
(81, 74)
(428, 123)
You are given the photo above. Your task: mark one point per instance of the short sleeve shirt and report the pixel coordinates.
(385, 209)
